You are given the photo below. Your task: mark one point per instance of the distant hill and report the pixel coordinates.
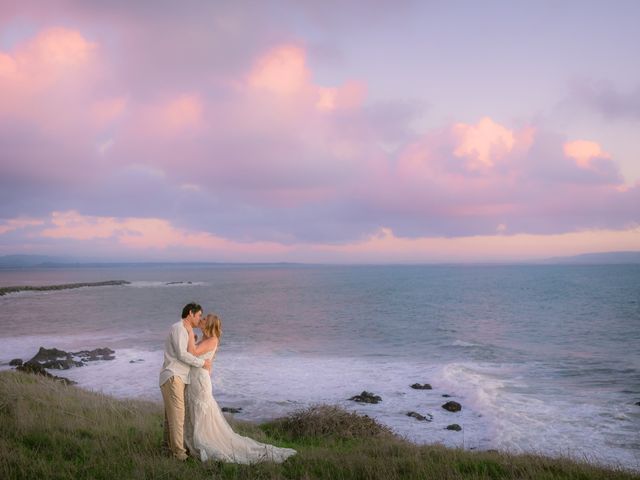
(26, 261)
(32, 260)
(598, 258)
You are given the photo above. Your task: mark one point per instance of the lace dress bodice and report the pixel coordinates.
(200, 376)
(208, 355)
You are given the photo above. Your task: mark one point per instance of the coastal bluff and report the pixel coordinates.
(52, 430)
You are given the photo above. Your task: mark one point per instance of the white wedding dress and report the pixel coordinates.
(207, 433)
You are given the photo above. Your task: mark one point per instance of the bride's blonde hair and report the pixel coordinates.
(212, 326)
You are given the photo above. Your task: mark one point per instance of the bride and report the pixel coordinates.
(207, 433)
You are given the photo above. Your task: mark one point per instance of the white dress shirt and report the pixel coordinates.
(177, 361)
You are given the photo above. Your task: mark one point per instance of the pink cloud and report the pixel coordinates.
(105, 111)
(468, 179)
(282, 70)
(484, 144)
(351, 95)
(465, 150)
(18, 224)
(55, 59)
(149, 235)
(146, 233)
(385, 246)
(264, 151)
(181, 114)
(584, 151)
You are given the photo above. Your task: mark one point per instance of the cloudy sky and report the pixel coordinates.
(319, 131)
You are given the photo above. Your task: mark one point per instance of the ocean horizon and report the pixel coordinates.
(542, 358)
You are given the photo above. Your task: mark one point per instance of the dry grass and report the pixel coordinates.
(52, 431)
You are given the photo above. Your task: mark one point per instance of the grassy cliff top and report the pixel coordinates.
(52, 431)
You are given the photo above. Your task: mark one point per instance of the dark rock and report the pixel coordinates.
(455, 427)
(366, 397)
(97, 354)
(420, 417)
(446, 395)
(49, 354)
(638, 403)
(232, 409)
(37, 369)
(16, 362)
(452, 406)
(138, 360)
(54, 358)
(61, 360)
(423, 386)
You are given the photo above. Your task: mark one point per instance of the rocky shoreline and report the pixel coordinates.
(65, 286)
(450, 406)
(54, 358)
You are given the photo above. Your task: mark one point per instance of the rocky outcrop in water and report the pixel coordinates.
(66, 286)
(97, 354)
(61, 360)
(54, 358)
(423, 418)
(421, 386)
(232, 409)
(366, 397)
(452, 406)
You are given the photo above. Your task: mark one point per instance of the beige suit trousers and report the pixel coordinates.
(173, 396)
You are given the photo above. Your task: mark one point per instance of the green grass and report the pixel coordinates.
(52, 431)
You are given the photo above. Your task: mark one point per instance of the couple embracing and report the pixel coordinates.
(193, 420)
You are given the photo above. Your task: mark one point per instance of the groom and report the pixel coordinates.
(175, 375)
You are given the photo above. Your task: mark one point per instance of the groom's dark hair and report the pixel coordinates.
(192, 307)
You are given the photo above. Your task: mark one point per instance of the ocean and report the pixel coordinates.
(542, 358)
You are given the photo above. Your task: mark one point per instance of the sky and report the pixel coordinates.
(319, 131)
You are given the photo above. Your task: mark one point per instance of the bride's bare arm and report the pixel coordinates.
(205, 346)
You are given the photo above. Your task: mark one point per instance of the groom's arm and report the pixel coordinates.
(180, 339)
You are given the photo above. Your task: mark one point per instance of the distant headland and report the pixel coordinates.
(45, 261)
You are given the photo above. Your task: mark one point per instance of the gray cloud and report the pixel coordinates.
(604, 98)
